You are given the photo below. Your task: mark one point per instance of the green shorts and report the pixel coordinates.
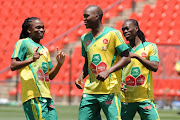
(146, 109)
(91, 105)
(40, 109)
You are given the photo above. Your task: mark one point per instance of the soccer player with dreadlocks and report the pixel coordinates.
(137, 75)
(36, 71)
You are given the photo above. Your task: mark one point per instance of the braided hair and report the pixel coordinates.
(139, 32)
(25, 26)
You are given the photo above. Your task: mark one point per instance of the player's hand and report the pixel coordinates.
(102, 76)
(78, 83)
(60, 57)
(123, 89)
(36, 55)
(132, 55)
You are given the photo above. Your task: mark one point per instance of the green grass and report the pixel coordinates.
(70, 113)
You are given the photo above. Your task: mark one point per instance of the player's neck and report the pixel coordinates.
(134, 43)
(97, 31)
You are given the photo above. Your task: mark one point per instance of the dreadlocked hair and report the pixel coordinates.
(139, 32)
(25, 26)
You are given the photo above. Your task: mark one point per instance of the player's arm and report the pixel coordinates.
(17, 64)
(151, 65)
(125, 59)
(60, 57)
(83, 74)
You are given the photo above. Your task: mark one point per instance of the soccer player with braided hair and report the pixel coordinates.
(137, 75)
(36, 71)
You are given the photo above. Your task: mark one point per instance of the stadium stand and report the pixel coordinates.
(160, 23)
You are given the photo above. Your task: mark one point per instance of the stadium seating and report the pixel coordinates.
(58, 19)
(160, 24)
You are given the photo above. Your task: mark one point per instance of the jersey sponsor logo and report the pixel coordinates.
(88, 42)
(130, 80)
(148, 107)
(140, 80)
(44, 67)
(143, 54)
(105, 41)
(109, 102)
(135, 78)
(135, 71)
(93, 68)
(96, 59)
(97, 64)
(42, 73)
(102, 66)
(43, 76)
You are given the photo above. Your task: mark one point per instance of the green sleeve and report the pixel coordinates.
(20, 50)
(84, 54)
(154, 53)
(121, 48)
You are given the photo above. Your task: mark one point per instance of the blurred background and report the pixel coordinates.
(158, 19)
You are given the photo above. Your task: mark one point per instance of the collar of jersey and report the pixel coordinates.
(37, 44)
(141, 45)
(136, 49)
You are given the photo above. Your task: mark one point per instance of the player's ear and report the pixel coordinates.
(136, 28)
(97, 16)
(29, 31)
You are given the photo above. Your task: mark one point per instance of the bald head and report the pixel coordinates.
(96, 10)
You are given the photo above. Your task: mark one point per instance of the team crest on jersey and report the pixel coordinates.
(143, 54)
(105, 41)
(88, 42)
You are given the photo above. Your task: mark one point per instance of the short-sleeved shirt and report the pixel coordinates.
(35, 80)
(137, 77)
(102, 53)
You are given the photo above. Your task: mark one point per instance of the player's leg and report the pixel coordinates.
(51, 110)
(33, 109)
(89, 108)
(128, 110)
(148, 110)
(111, 105)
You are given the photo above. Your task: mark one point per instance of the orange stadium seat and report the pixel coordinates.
(124, 5)
(160, 24)
(134, 15)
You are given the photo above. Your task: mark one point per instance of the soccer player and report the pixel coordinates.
(36, 71)
(177, 67)
(138, 74)
(105, 53)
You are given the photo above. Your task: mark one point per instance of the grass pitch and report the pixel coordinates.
(71, 113)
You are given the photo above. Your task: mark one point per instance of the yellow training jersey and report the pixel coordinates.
(102, 53)
(137, 77)
(35, 80)
(177, 66)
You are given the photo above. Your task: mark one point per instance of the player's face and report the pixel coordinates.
(129, 30)
(89, 17)
(36, 30)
